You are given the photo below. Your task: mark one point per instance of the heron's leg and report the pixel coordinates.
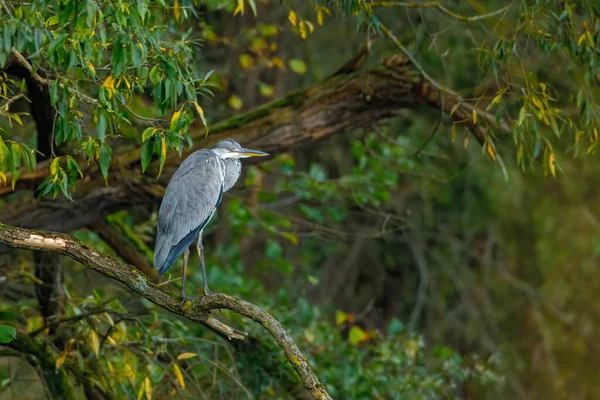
(200, 248)
(186, 256)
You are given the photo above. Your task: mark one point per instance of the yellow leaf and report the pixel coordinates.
(537, 103)
(240, 8)
(581, 39)
(53, 20)
(126, 83)
(320, 17)
(148, 388)
(163, 147)
(131, 376)
(520, 154)
(453, 132)
(357, 336)
(490, 150)
(175, 116)
(595, 133)
(589, 37)
(91, 67)
(61, 360)
(465, 141)
(198, 108)
(54, 166)
(302, 30)
(140, 392)
(179, 375)
(290, 236)
(311, 27)
(246, 61)
(474, 117)
(292, 18)
(3, 178)
(277, 62)
(95, 342)
(176, 10)
(342, 317)
(109, 84)
(184, 356)
(551, 164)
(454, 108)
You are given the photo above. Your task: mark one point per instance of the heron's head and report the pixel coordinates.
(229, 148)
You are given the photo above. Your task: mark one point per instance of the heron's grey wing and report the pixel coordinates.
(189, 202)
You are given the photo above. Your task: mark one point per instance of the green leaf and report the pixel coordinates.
(7, 334)
(3, 151)
(73, 170)
(162, 154)
(101, 125)
(105, 157)
(357, 335)
(395, 327)
(136, 55)
(91, 12)
(119, 57)
(312, 213)
(58, 41)
(45, 187)
(37, 37)
(235, 102)
(154, 74)
(142, 8)
(252, 6)
(147, 150)
(148, 132)
(273, 249)
(64, 185)
(54, 92)
(15, 165)
(265, 89)
(298, 66)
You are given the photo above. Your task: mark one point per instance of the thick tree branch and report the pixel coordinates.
(340, 104)
(198, 311)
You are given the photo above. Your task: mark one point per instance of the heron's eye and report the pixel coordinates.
(229, 149)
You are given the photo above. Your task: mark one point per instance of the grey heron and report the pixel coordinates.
(192, 196)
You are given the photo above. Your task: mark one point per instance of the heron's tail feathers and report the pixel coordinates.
(166, 253)
(161, 253)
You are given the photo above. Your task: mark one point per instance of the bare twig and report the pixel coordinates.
(439, 6)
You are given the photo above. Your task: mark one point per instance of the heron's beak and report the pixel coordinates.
(252, 153)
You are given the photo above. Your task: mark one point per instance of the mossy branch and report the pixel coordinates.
(197, 311)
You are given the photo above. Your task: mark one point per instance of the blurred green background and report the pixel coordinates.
(398, 256)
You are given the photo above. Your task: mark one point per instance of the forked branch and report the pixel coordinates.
(199, 311)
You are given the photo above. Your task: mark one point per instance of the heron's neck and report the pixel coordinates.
(233, 169)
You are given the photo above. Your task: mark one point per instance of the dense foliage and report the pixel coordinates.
(411, 258)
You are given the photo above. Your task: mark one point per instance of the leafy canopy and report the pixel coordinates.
(94, 60)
